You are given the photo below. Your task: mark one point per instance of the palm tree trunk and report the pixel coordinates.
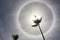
(41, 33)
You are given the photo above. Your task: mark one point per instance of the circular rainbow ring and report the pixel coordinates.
(19, 26)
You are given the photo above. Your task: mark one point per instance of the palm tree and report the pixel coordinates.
(37, 22)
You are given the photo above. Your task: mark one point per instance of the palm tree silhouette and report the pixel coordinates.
(37, 23)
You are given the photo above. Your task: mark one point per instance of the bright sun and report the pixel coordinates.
(32, 16)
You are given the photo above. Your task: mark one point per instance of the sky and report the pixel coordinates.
(9, 10)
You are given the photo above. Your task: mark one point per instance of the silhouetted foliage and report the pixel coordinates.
(37, 22)
(15, 37)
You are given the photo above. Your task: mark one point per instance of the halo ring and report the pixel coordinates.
(23, 7)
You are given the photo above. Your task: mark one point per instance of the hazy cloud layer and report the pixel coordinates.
(8, 26)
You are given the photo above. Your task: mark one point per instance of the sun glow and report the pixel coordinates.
(32, 16)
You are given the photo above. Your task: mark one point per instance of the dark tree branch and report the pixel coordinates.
(41, 32)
